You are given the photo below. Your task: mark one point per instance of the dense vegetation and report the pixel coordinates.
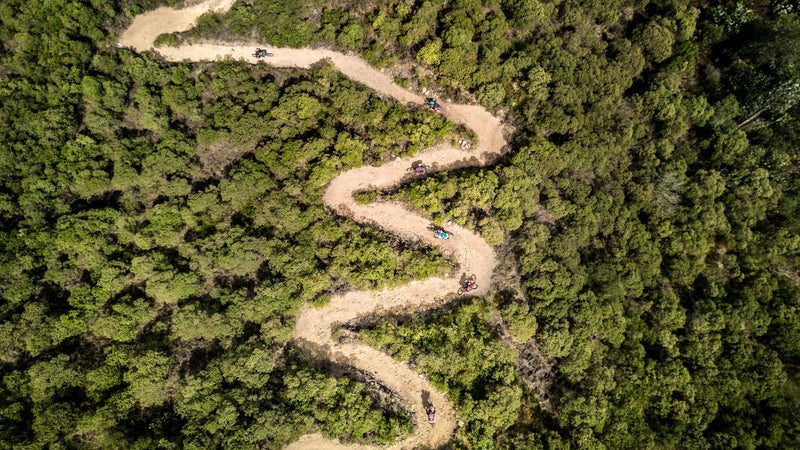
(161, 224)
(464, 357)
(651, 200)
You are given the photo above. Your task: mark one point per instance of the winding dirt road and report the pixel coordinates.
(314, 326)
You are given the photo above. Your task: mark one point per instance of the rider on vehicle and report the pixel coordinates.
(430, 410)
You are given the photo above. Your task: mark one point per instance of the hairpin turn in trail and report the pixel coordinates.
(474, 255)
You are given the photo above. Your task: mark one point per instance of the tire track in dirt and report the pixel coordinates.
(314, 326)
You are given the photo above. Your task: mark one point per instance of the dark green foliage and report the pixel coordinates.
(461, 356)
(284, 23)
(162, 224)
(651, 199)
(341, 405)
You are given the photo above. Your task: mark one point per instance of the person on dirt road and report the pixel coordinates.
(430, 410)
(141, 34)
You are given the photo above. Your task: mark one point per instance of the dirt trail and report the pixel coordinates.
(314, 326)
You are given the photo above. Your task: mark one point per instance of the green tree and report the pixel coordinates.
(147, 378)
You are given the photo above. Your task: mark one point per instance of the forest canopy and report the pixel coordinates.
(163, 223)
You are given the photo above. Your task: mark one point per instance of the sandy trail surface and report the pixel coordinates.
(314, 326)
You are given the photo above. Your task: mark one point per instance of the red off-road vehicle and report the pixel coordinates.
(468, 285)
